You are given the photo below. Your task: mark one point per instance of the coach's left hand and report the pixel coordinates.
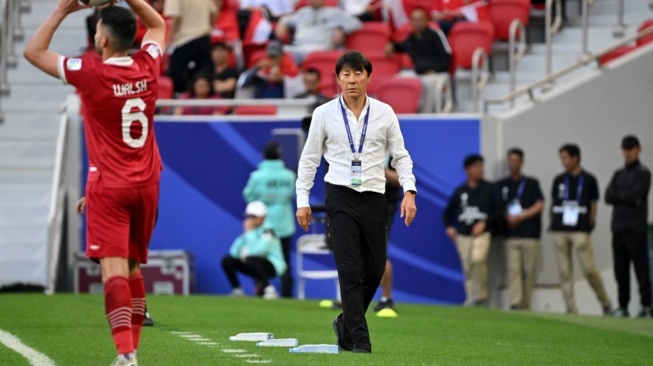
(408, 208)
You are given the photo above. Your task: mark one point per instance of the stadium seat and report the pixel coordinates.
(165, 87)
(503, 12)
(383, 65)
(403, 94)
(616, 54)
(648, 38)
(255, 110)
(466, 37)
(302, 3)
(373, 36)
(325, 62)
(314, 245)
(249, 48)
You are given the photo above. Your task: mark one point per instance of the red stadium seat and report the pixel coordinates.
(384, 65)
(466, 37)
(616, 54)
(255, 110)
(648, 38)
(373, 36)
(302, 3)
(403, 94)
(503, 12)
(249, 48)
(165, 87)
(325, 62)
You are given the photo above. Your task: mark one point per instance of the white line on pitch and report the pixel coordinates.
(34, 357)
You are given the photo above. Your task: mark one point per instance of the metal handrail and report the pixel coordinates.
(620, 29)
(4, 31)
(548, 79)
(12, 13)
(57, 196)
(552, 27)
(479, 77)
(585, 19)
(443, 84)
(515, 54)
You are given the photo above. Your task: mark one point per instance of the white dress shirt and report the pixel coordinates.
(328, 137)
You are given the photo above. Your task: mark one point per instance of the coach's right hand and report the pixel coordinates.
(304, 217)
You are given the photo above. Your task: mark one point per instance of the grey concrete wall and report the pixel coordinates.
(595, 113)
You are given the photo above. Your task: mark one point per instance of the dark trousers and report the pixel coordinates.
(630, 246)
(286, 277)
(357, 224)
(259, 268)
(198, 52)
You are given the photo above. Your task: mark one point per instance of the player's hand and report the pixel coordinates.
(81, 205)
(304, 217)
(452, 233)
(408, 208)
(71, 6)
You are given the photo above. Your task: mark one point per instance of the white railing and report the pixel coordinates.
(546, 81)
(620, 28)
(285, 107)
(551, 27)
(480, 75)
(585, 20)
(515, 53)
(57, 203)
(10, 31)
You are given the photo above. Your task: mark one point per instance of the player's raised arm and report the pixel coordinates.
(156, 26)
(37, 49)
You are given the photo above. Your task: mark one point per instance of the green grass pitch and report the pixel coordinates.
(72, 330)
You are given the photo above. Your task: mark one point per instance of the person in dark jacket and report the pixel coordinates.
(628, 193)
(471, 213)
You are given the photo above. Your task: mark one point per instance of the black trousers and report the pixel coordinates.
(286, 278)
(630, 246)
(197, 52)
(357, 224)
(259, 268)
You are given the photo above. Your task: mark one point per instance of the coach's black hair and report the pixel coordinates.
(122, 25)
(355, 60)
(571, 149)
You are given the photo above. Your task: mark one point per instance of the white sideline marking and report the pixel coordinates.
(34, 357)
(258, 361)
(234, 352)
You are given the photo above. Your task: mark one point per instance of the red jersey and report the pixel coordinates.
(118, 98)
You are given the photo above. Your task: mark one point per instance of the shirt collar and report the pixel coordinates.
(367, 102)
(119, 61)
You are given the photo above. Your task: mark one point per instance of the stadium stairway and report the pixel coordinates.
(567, 49)
(27, 149)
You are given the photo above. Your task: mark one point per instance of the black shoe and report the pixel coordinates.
(618, 313)
(387, 304)
(645, 313)
(147, 320)
(363, 346)
(343, 339)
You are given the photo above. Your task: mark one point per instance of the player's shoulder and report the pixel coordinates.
(149, 49)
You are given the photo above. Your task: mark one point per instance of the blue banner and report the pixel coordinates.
(206, 167)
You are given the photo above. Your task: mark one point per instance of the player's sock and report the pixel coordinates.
(137, 288)
(117, 306)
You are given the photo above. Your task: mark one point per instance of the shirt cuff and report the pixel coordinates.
(409, 186)
(302, 200)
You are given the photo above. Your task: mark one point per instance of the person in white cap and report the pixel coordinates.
(255, 253)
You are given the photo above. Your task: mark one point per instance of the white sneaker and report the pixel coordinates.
(237, 292)
(270, 293)
(125, 360)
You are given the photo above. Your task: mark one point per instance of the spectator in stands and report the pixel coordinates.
(573, 216)
(256, 253)
(522, 204)
(430, 53)
(274, 184)
(225, 28)
(224, 74)
(191, 24)
(316, 28)
(448, 12)
(268, 76)
(364, 10)
(468, 218)
(274, 8)
(628, 193)
(200, 87)
(312, 79)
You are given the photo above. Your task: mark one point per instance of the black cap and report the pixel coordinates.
(272, 151)
(471, 159)
(629, 142)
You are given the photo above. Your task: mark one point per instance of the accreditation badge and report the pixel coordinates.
(356, 173)
(570, 213)
(514, 208)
